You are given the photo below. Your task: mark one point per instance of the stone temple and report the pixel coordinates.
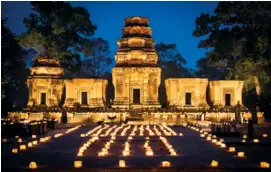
(136, 79)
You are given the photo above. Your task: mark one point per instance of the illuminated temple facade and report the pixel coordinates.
(136, 78)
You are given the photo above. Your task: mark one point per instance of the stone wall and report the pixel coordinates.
(95, 89)
(219, 89)
(92, 117)
(176, 89)
(126, 79)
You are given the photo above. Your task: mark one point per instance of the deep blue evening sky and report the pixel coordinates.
(171, 22)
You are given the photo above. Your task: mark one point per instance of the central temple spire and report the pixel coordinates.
(136, 46)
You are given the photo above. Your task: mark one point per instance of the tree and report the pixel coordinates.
(97, 62)
(171, 61)
(205, 69)
(238, 34)
(238, 43)
(13, 70)
(58, 30)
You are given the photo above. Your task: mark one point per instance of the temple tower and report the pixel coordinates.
(136, 76)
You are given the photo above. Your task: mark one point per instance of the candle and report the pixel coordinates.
(149, 153)
(232, 149)
(15, 150)
(214, 140)
(265, 135)
(181, 134)
(241, 154)
(244, 136)
(33, 165)
(35, 142)
(214, 163)
(202, 135)
(223, 145)
(22, 147)
(208, 138)
(265, 165)
(77, 164)
(30, 144)
(255, 140)
(122, 163)
(165, 163)
(20, 140)
(34, 136)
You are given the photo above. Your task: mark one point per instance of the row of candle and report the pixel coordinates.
(31, 144)
(90, 131)
(168, 146)
(148, 149)
(86, 145)
(68, 131)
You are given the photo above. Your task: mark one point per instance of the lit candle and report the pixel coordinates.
(241, 154)
(30, 144)
(77, 164)
(22, 147)
(214, 163)
(223, 145)
(214, 140)
(181, 134)
(265, 165)
(122, 163)
(34, 136)
(255, 140)
(244, 136)
(33, 165)
(35, 142)
(15, 150)
(165, 163)
(265, 135)
(208, 138)
(202, 135)
(149, 153)
(243, 141)
(232, 149)
(20, 140)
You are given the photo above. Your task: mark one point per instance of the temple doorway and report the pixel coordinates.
(228, 99)
(136, 96)
(187, 98)
(84, 98)
(43, 98)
